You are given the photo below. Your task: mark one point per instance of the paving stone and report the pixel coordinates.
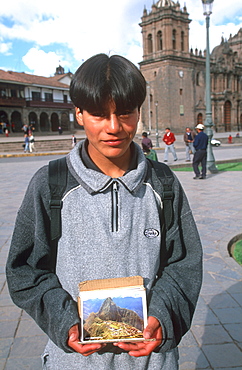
(235, 330)
(5, 344)
(229, 315)
(210, 334)
(8, 328)
(188, 340)
(192, 358)
(10, 313)
(223, 355)
(28, 328)
(204, 317)
(24, 347)
(223, 300)
(24, 364)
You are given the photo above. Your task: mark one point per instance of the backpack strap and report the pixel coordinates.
(162, 178)
(57, 183)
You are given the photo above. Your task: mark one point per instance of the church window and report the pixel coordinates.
(182, 41)
(199, 118)
(159, 41)
(150, 44)
(174, 39)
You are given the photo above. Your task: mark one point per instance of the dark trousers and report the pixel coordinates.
(200, 156)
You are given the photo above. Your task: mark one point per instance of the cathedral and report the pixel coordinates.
(175, 74)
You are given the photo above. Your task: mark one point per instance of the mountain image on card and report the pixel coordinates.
(112, 322)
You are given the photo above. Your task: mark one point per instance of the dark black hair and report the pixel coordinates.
(103, 79)
(144, 134)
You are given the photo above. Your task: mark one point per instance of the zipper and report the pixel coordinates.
(115, 207)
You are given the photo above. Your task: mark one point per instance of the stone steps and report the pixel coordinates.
(40, 145)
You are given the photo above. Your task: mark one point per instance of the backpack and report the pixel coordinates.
(161, 177)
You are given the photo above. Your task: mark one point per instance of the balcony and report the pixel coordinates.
(12, 102)
(49, 104)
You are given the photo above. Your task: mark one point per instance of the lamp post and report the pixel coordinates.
(156, 129)
(207, 10)
(148, 90)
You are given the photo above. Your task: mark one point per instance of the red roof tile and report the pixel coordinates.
(29, 79)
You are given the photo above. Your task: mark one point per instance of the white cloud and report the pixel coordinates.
(5, 48)
(81, 29)
(43, 64)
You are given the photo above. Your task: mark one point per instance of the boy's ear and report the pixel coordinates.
(79, 116)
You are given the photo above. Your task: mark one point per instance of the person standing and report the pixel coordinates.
(108, 180)
(200, 144)
(169, 139)
(146, 142)
(188, 139)
(73, 141)
(31, 142)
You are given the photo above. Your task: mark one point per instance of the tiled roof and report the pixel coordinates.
(29, 79)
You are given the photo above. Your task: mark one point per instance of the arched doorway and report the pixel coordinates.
(44, 122)
(64, 122)
(54, 122)
(16, 121)
(33, 120)
(3, 120)
(227, 116)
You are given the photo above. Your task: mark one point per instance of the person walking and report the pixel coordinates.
(188, 139)
(26, 143)
(200, 144)
(169, 139)
(31, 142)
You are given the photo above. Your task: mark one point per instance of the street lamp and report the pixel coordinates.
(156, 129)
(207, 10)
(148, 88)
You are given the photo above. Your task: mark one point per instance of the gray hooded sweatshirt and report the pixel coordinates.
(105, 234)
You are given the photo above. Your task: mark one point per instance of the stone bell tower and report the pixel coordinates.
(169, 68)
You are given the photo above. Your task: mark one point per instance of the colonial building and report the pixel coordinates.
(42, 102)
(175, 75)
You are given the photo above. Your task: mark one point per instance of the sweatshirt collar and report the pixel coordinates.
(93, 180)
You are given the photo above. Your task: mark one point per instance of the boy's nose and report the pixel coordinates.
(113, 124)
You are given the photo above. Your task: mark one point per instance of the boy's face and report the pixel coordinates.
(109, 134)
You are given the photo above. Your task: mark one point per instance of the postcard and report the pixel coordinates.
(112, 310)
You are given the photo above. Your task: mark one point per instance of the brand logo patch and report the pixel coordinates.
(151, 233)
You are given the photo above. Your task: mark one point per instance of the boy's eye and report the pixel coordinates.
(125, 114)
(97, 114)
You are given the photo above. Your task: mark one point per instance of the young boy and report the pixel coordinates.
(111, 227)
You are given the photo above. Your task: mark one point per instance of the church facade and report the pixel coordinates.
(175, 75)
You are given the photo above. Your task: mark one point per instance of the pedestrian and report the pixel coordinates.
(31, 142)
(146, 142)
(150, 153)
(73, 141)
(230, 139)
(60, 130)
(26, 143)
(188, 139)
(169, 139)
(25, 129)
(109, 181)
(200, 157)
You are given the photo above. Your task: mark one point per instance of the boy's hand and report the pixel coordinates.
(138, 349)
(83, 349)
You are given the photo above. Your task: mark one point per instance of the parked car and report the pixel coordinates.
(215, 142)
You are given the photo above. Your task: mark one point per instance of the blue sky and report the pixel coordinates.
(36, 36)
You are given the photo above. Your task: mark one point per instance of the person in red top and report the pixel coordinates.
(169, 139)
